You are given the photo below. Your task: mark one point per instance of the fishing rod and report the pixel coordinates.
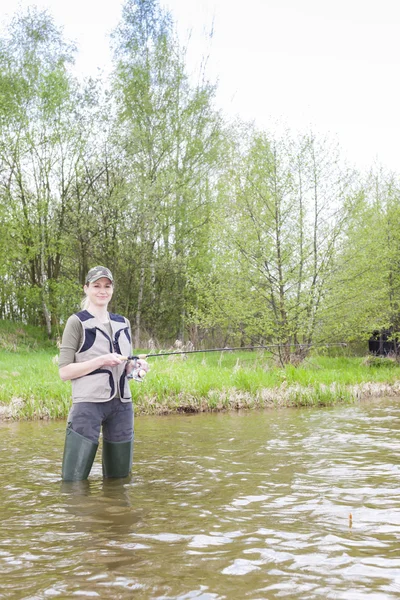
(136, 372)
(227, 349)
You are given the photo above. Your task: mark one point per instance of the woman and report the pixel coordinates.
(92, 353)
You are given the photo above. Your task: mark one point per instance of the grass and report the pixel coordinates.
(31, 384)
(18, 338)
(31, 388)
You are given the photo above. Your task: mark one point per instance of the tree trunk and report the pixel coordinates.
(139, 307)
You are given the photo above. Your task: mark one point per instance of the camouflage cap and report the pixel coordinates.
(97, 273)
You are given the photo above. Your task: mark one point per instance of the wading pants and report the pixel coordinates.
(85, 420)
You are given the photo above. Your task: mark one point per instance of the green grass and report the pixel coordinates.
(31, 382)
(30, 386)
(15, 337)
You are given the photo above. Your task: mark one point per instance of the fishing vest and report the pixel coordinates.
(107, 382)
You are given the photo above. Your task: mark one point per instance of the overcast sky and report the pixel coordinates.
(332, 65)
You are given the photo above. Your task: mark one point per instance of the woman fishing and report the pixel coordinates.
(93, 353)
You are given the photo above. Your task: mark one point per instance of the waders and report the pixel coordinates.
(79, 453)
(117, 458)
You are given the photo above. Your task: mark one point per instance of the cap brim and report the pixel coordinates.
(97, 277)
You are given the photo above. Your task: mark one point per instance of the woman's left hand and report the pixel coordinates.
(143, 364)
(140, 364)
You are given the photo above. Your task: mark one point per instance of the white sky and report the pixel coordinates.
(332, 65)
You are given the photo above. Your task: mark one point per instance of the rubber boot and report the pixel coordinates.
(117, 458)
(79, 453)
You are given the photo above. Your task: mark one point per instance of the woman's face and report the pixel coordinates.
(99, 292)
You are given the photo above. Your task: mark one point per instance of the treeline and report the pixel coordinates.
(217, 233)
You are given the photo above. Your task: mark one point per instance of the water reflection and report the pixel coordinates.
(279, 504)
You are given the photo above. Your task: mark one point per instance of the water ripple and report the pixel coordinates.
(297, 504)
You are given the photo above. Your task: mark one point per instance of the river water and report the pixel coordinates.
(259, 505)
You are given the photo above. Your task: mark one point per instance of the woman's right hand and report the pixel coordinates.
(111, 360)
(75, 370)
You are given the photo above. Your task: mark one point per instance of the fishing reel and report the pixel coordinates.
(137, 373)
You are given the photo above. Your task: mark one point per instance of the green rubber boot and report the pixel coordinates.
(79, 453)
(117, 458)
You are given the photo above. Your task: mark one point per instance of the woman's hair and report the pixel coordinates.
(85, 303)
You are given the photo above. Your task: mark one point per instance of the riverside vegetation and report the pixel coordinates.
(30, 387)
(216, 230)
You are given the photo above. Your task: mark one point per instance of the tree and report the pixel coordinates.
(285, 211)
(41, 142)
(169, 135)
(366, 284)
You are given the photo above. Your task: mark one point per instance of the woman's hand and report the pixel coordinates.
(141, 365)
(111, 360)
(75, 370)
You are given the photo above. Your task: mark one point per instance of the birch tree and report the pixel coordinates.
(287, 202)
(169, 135)
(40, 145)
(366, 288)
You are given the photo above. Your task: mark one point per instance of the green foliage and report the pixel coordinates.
(170, 135)
(366, 285)
(216, 233)
(36, 113)
(282, 213)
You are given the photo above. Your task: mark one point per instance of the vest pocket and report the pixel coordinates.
(98, 385)
(124, 387)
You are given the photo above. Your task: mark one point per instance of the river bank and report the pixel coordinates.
(220, 401)
(30, 387)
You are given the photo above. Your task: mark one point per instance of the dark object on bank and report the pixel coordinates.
(382, 343)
